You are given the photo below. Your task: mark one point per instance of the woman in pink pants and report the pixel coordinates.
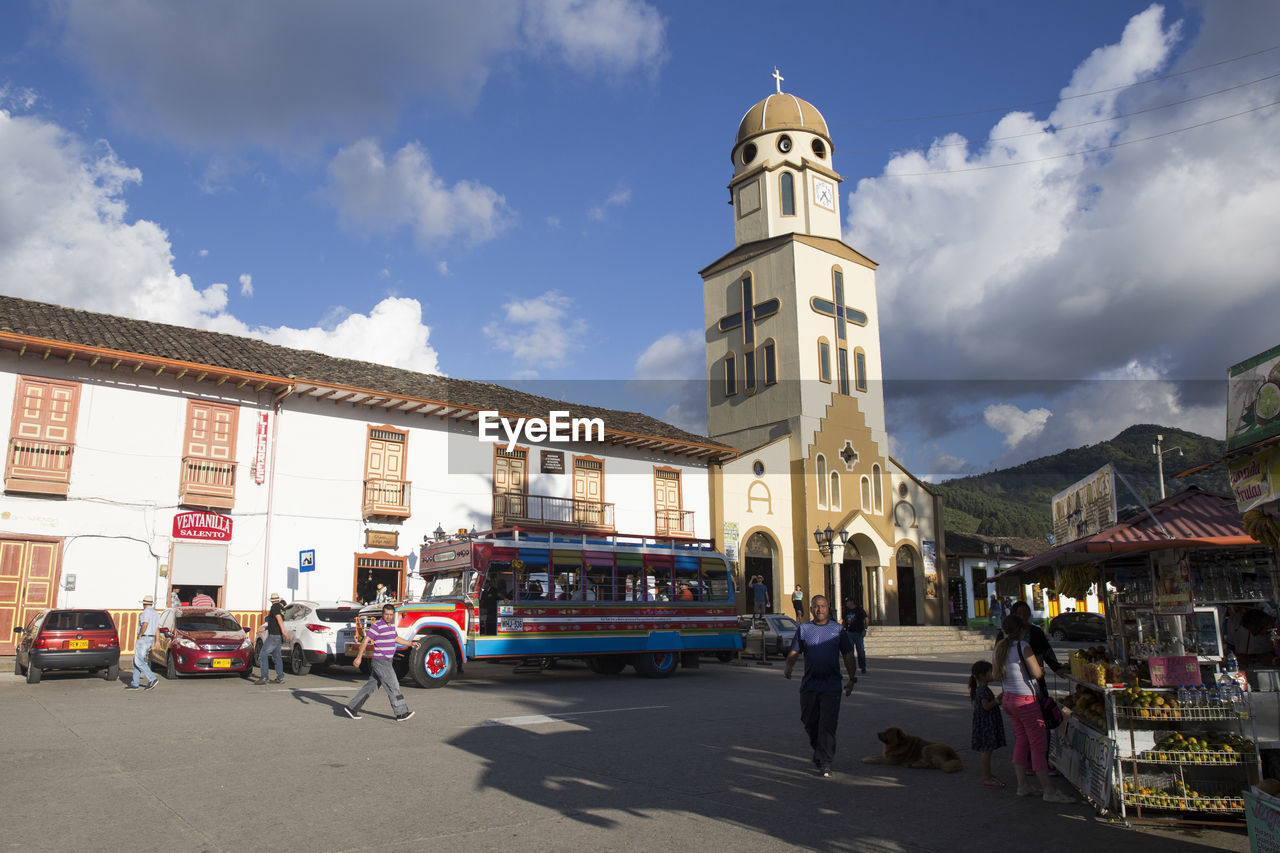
(1017, 668)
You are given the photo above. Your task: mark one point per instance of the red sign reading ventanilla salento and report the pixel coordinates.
(211, 526)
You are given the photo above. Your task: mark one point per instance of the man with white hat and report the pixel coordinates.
(273, 643)
(147, 622)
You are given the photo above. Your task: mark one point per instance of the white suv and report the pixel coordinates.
(316, 633)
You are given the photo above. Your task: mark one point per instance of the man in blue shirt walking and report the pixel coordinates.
(824, 644)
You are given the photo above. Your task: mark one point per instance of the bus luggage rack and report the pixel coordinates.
(543, 536)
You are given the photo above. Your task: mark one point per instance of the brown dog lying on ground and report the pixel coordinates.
(902, 748)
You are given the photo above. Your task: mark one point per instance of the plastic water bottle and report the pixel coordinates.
(1182, 695)
(1233, 665)
(1202, 697)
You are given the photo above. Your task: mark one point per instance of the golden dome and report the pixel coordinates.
(782, 112)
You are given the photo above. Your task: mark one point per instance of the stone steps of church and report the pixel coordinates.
(903, 640)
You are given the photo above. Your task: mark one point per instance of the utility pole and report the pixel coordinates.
(1158, 450)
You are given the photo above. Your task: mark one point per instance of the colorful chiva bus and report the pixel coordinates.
(532, 597)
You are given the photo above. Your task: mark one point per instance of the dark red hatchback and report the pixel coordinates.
(68, 639)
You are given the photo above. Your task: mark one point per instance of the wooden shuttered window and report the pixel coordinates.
(386, 491)
(208, 478)
(42, 436)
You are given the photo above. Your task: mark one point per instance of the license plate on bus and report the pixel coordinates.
(222, 663)
(77, 644)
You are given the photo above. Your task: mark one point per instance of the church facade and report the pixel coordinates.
(794, 382)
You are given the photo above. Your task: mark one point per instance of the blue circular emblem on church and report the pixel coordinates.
(757, 468)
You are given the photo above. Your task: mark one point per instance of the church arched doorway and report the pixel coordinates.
(758, 558)
(906, 586)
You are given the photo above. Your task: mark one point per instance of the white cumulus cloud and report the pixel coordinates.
(1018, 257)
(246, 284)
(66, 238)
(1014, 423)
(374, 193)
(293, 73)
(540, 332)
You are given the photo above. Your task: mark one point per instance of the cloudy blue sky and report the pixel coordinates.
(1074, 205)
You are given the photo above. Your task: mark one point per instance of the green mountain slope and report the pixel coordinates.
(1015, 501)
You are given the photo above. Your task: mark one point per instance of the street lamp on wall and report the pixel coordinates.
(438, 532)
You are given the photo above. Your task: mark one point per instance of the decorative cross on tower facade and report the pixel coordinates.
(750, 313)
(777, 79)
(842, 314)
(849, 455)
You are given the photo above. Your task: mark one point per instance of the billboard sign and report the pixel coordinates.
(1253, 400)
(1085, 507)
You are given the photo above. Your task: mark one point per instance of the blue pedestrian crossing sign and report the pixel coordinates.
(307, 560)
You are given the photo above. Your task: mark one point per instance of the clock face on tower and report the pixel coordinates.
(824, 194)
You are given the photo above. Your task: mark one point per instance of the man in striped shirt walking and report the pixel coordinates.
(382, 634)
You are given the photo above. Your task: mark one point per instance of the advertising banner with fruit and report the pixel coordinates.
(1254, 481)
(1173, 584)
(1253, 400)
(1085, 758)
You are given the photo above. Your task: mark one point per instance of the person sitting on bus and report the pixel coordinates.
(685, 594)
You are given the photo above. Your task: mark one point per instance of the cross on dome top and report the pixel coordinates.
(777, 79)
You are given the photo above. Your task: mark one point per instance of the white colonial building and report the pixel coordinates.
(144, 458)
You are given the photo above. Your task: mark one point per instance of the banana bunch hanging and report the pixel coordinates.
(1262, 527)
(1075, 581)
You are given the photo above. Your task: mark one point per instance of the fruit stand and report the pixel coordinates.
(1141, 752)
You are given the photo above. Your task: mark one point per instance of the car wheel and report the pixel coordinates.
(1058, 634)
(656, 664)
(170, 668)
(724, 657)
(607, 664)
(298, 661)
(433, 663)
(111, 673)
(33, 673)
(257, 649)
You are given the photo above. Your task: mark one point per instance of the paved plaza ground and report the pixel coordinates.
(712, 758)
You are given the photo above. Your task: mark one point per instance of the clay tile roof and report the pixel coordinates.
(232, 352)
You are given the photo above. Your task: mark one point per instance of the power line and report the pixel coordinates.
(1073, 153)
(1056, 128)
(1066, 97)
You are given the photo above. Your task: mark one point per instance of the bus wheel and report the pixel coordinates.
(607, 664)
(655, 664)
(433, 662)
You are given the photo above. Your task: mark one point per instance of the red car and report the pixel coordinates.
(68, 639)
(201, 640)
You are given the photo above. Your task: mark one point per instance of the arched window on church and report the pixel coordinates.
(787, 193)
(824, 359)
(769, 362)
(730, 375)
(866, 494)
(842, 370)
(877, 488)
(859, 369)
(835, 490)
(821, 465)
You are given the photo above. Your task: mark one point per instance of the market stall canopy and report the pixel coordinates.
(1190, 519)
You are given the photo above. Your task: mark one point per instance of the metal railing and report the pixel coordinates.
(573, 513)
(673, 522)
(384, 497)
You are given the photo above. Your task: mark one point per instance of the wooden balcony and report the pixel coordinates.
(207, 483)
(386, 498)
(38, 467)
(547, 511)
(673, 522)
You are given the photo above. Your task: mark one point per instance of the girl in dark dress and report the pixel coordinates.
(988, 725)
